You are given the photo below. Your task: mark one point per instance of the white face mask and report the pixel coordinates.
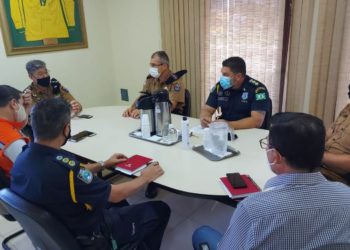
(268, 162)
(154, 72)
(21, 114)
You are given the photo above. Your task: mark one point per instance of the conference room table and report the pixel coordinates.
(185, 171)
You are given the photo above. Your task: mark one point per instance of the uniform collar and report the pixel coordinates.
(42, 148)
(164, 76)
(295, 179)
(37, 89)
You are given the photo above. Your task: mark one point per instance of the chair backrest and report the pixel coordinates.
(45, 231)
(267, 120)
(187, 107)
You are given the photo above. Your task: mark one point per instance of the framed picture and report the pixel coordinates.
(32, 26)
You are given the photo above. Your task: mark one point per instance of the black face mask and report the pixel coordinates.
(44, 82)
(67, 138)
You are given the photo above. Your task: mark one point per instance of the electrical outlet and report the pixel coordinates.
(124, 95)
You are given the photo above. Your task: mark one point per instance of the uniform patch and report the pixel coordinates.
(59, 157)
(245, 96)
(71, 163)
(260, 96)
(85, 175)
(177, 87)
(254, 82)
(227, 93)
(65, 160)
(260, 89)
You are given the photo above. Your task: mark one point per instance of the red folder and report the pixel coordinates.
(239, 192)
(133, 164)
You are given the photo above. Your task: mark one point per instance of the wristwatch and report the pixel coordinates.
(102, 163)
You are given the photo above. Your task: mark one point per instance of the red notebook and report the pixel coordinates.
(133, 164)
(239, 192)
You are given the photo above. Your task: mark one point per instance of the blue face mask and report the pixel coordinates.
(225, 82)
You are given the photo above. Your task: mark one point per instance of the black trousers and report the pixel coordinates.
(142, 223)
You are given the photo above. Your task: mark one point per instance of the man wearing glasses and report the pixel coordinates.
(298, 208)
(336, 159)
(158, 78)
(44, 87)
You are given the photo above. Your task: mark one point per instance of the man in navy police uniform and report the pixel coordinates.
(52, 178)
(244, 102)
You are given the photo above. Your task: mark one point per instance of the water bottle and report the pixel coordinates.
(185, 130)
(145, 126)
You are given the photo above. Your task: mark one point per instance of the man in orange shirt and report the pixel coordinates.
(14, 109)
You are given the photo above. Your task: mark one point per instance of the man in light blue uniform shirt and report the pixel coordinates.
(299, 208)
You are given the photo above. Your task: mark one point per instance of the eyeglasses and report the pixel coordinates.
(264, 143)
(155, 65)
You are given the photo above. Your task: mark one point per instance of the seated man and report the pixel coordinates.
(336, 159)
(242, 101)
(43, 86)
(299, 208)
(160, 77)
(14, 109)
(52, 178)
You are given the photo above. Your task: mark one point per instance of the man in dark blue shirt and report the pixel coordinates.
(52, 178)
(242, 101)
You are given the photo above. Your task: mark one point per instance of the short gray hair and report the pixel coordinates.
(34, 65)
(163, 57)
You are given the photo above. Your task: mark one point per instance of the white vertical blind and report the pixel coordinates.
(251, 29)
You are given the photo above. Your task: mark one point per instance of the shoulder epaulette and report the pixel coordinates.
(173, 77)
(67, 162)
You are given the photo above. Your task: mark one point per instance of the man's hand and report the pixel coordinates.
(205, 121)
(76, 107)
(152, 172)
(135, 114)
(27, 100)
(127, 112)
(114, 160)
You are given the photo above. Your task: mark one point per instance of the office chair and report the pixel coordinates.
(187, 107)
(267, 120)
(43, 229)
(5, 183)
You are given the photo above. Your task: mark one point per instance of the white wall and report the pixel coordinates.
(135, 35)
(121, 35)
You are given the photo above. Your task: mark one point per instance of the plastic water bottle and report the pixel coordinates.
(145, 126)
(185, 130)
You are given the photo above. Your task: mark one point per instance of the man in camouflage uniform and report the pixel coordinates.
(244, 102)
(336, 159)
(160, 77)
(44, 87)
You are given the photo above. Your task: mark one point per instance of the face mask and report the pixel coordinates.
(225, 82)
(269, 163)
(67, 137)
(21, 117)
(44, 82)
(154, 72)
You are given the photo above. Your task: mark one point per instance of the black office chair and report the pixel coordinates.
(5, 183)
(187, 107)
(43, 229)
(267, 120)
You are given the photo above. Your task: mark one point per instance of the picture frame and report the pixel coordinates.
(42, 25)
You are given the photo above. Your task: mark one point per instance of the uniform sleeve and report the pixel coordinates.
(212, 100)
(95, 194)
(261, 99)
(66, 95)
(17, 14)
(238, 234)
(177, 92)
(68, 10)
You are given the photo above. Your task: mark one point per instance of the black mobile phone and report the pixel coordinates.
(236, 180)
(85, 116)
(81, 135)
